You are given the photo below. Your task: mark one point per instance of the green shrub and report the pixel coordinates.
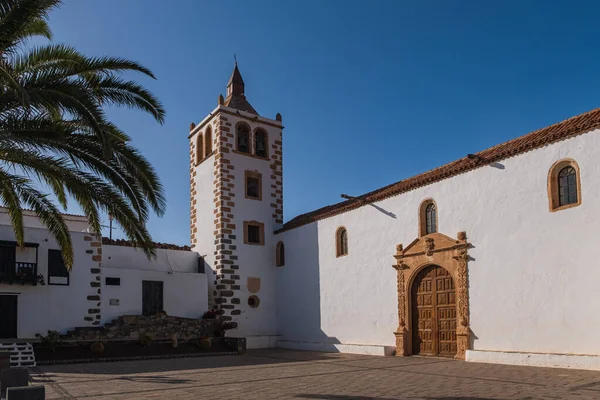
(51, 341)
(97, 348)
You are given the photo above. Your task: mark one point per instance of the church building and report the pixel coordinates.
(488, 258)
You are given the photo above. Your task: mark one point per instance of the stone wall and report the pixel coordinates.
(158, 326)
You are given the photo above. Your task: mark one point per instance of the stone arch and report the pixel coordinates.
(443, 251)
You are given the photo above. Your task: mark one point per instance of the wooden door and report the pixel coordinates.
(433, 302)
(152, 297)
(8, 316)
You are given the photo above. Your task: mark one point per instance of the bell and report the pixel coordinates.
(243, 141)
(260, 146)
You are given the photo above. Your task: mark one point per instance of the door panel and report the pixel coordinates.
(8, 316)
(152, 297)
(434, 313)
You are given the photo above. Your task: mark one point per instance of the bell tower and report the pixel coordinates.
(236, 195)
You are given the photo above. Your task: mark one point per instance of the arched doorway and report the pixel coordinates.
(433, 312)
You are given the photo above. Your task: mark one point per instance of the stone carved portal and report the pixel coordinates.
(429, 253)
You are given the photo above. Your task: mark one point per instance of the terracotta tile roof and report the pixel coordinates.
(554, 133)
(239, 102)
(158, 245)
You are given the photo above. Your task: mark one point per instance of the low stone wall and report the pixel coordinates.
(158, 326)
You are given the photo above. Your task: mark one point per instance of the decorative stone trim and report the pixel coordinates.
(553, 186)
(94, 300)
(450, 254)
(226, 267)
(277, 180)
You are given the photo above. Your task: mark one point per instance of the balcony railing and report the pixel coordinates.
(18, 272)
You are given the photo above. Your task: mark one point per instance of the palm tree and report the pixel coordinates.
(55, 136)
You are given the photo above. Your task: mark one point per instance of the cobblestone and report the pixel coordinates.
(284, 374)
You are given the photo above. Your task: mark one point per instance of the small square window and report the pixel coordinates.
(112, 281)
(253, 185)
(254, 233)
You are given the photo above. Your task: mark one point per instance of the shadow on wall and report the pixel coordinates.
(299, 293)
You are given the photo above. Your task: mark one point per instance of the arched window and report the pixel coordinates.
(208, 142)
(564, 187)
(428, 219)
(567, 186)
(199, 148)
(341, 237)
(243, 138)
(260, 143)
(280, 255)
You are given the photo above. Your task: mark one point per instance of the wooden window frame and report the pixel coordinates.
(256, 175)
(338, 242)
(254, 141)
(280, 255)
(237, 137)
(423, 217)
(553, 186)
(208, 142)
(261, 227)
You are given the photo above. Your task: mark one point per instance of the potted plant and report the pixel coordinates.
(204, 342)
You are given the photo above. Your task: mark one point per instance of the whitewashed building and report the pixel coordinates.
(38, 294)
(487, 258)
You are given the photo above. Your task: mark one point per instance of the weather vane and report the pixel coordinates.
(235, 58)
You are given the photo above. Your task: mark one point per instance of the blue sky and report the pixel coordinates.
(371, 92)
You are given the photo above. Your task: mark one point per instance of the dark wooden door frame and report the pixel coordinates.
(152, 297)
(9, 316)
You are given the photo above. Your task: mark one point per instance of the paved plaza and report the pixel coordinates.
(282, 374)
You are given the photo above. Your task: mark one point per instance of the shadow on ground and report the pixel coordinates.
(340, 397)
(252, 360)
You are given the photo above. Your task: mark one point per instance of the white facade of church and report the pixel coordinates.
(489, 258)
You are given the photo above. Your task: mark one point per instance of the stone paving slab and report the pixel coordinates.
(287, 374)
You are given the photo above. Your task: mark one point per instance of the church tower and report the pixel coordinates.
(236, 194)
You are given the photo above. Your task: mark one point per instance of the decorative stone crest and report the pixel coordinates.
(428, 245)
(450, 254)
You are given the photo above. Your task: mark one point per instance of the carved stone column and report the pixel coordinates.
(402, 332)
(463, 331)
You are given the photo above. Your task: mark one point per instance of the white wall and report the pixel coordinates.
(51, 307)
(255, 261)
(203, 183)
(75, 223)
(533, 278)
(185, 292)
(166, 260)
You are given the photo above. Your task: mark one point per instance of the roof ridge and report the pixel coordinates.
(556, 132)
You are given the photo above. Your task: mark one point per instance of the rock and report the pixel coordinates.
(134, 335)
(37, 392)
(129, 319)
(13, 377)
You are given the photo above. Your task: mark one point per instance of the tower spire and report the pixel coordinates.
(235, 91)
